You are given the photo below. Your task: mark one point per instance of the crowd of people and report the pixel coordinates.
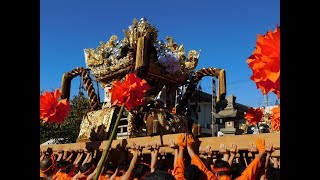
(184, 163)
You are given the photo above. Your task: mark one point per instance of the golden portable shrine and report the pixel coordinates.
(166, 68)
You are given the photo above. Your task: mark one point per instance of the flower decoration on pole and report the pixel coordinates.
(253, 116)
(128, 94)
(265, 62)
(275, 118)
(52, 108)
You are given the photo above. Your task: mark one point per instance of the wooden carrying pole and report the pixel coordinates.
(242, 142)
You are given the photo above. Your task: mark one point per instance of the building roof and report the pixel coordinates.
(206, 97)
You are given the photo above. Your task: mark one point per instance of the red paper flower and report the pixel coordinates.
(253, 116)
(265, 62)
(130, 92)
(53, 110)
(275, 118)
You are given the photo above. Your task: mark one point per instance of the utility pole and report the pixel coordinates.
(266, 102)
(267, 108)
(266, 99)
(213, 120)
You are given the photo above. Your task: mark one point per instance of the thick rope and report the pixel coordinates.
(88, 85)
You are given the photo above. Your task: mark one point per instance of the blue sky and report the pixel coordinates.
(225, 31)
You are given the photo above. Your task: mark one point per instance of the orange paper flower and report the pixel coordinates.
(130, 92)
(265, 62)
(53, 110)
(253, 116)
(275, 118)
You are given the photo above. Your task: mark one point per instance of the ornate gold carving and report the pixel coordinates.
(111, 42)
(130, 119)
(192, 62)
(96, 122)
(92, 58)
(116, 55)
(186, 64)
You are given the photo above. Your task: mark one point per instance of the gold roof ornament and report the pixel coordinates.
(140, 49)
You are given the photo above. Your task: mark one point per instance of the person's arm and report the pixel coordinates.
(252, 170)
(70, 156)
(60, 154)
(223, 150)
(175, 148)
(178, 167)
(43, 154)
(253, 150)
(208, 151)
(91, 176)
(65, 154)
(86, 159)
(90, 158)
(245, 158)
(154, 155)
(269, 150)
(77, 161)
(114, 175)
(233, 152)
(195, 160)
(135, 148)
(77, 176)
(77, 157)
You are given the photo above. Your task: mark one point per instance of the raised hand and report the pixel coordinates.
(223, 149)
(253, 148)
(155, 145)
(269, 148)
(208, 151)
(190, 140)
(172, 144)
(182, 141)
(136, 148)
(149, 147)
(201, 150)
(233, 150)
(260, 145)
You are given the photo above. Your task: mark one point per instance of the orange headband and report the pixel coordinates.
(221, 169)
(53, 164)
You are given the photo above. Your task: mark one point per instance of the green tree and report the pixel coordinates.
(69, 129)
